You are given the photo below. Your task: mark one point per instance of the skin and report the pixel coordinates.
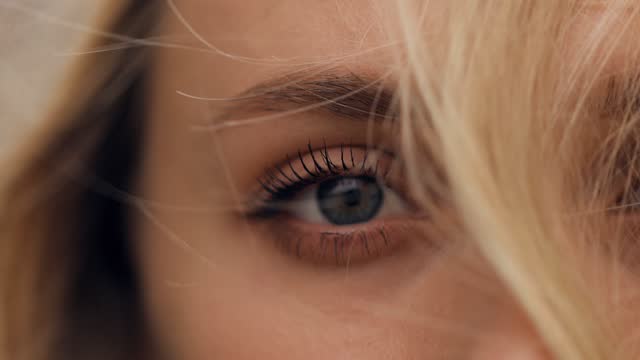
(214, 284)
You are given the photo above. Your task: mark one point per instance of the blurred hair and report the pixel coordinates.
(68, 289)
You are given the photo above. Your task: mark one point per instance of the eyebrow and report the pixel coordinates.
(348, 95)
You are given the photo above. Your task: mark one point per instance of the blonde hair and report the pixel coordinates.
(491, 112)
(521, 161)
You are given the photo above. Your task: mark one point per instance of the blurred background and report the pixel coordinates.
(37, 39)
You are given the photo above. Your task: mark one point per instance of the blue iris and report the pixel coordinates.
(350, 200)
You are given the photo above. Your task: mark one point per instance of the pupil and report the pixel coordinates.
(350, 200)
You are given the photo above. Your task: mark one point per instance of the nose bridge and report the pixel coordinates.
(511, 335)
(487, 321)
(503, 329)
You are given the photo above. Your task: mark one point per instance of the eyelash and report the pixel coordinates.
(278, 186)
(335, 247)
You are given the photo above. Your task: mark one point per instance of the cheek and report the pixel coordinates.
(213, 290)
(223, 296)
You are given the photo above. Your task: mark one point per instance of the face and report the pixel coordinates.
(278, 224)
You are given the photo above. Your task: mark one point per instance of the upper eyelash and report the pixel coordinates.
(322, 168)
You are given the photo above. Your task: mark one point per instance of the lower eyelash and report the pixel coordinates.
(337, 248)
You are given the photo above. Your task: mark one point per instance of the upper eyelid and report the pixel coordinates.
(295, 178)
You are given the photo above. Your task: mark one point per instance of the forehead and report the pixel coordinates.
(242, 43)
(288, 28)
(336, 25)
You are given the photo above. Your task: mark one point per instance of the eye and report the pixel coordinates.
(336, 206)
(346, 200)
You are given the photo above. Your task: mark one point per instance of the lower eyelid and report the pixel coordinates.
(330, 246)
(340, 248)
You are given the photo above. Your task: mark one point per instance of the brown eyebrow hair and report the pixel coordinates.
(344, 94)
